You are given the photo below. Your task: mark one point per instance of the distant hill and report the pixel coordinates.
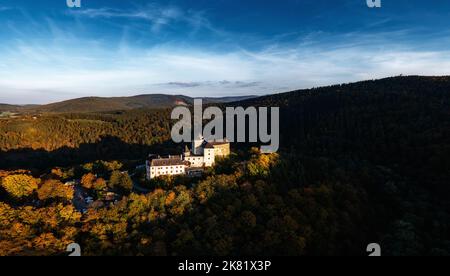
(228, 99)
(8, 107)
(100, 104)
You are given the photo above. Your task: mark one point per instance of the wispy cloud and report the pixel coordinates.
(196, 72)
(223, 83)
(158, 16)
(2, 8)
(64, 65)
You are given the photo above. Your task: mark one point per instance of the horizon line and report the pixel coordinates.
(227, 96)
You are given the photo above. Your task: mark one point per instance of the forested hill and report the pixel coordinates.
(98, 104)
(402, 123)
(101, 104)
(388, 137)
(413, 86)
(8, 107)
(402, 120)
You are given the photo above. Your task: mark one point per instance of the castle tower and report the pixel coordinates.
(197, 144)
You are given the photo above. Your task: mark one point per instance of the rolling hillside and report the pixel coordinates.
(8, 107)
(99, 104)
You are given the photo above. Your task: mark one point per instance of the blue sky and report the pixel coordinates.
(49, 52)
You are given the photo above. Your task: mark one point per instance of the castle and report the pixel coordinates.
(203, 154)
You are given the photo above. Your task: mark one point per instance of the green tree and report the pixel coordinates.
(121, 181)
(111, 166)
(260, 164)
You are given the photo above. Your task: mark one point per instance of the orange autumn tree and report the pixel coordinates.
(55, 189)
(87, 181)
(99, 184)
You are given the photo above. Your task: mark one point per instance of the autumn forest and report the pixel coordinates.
(358, 163)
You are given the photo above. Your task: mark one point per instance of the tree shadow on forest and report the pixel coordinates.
(108, 148)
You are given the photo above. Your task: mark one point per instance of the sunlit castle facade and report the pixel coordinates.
(203, 154)
(172, 165)
(200, 155)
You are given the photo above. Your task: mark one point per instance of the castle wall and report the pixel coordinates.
(210, 157)
(153, 172)
(222, 150)
(196, 161)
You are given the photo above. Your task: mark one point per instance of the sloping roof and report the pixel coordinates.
(168, 162)
(218, 143)
(210, 145)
